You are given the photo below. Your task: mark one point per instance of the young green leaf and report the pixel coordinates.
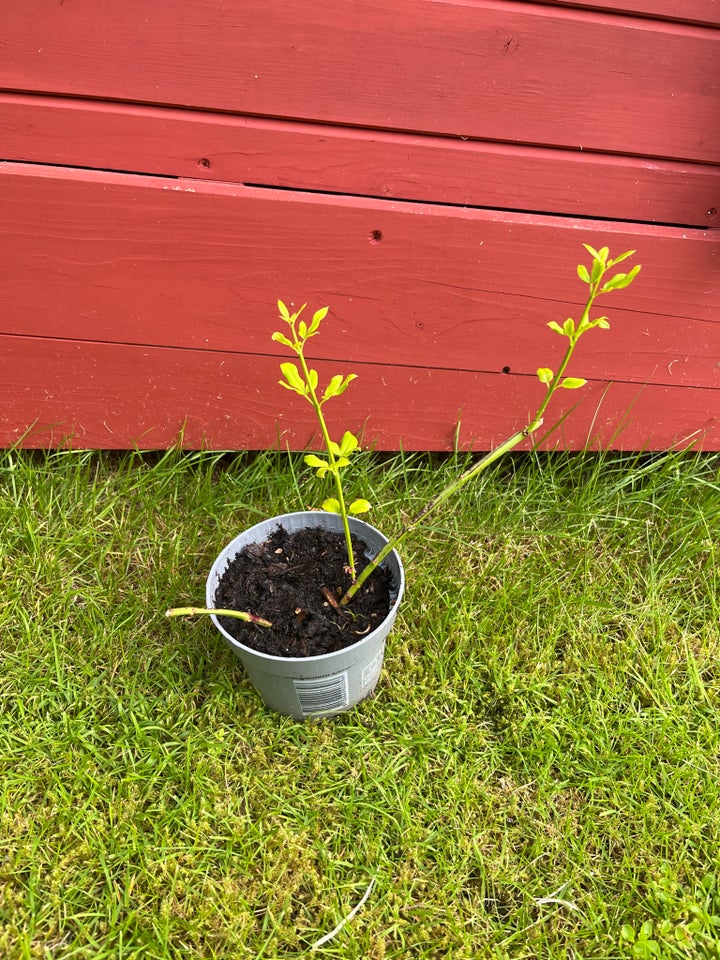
(293, 380)
(317, 319)
(554, 325)
(359, 506)
(621, 280)
(592, 251)
(583, 273)
(333, 388)
(569, 327)
(613, 283)
(348, 444)
(280, 338)
(572, 383)
(322, 466)
(601, 322)
(331, 505)
(302, 329)
(341, 386)
(545, 375)
(623, 256)
(312, 379)
(284, 312)
(347, 381)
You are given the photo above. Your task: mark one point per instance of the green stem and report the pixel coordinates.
(444, 495)
(317, 406)
(236, 614)
(582, 327)
(551, 388)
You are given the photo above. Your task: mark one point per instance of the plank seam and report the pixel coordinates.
(595, 8)
(489, 209)
(359, 363)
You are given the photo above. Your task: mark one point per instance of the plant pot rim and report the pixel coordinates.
(356, 526)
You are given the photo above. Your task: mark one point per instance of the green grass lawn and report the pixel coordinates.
(538, 775)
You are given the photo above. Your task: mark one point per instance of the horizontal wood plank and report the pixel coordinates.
(201, 264)
(191, 144)
(491, 69)
(117, 396)
(147, 264)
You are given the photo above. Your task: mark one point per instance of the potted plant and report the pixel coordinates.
(306, 600)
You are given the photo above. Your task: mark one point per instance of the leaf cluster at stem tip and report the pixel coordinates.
(305, 381)
(594, 277)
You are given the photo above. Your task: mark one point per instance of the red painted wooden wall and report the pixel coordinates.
(427, 169)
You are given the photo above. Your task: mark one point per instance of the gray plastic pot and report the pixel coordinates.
(304, 687)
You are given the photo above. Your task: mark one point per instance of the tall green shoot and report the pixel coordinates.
(572, 331)
(304, 382)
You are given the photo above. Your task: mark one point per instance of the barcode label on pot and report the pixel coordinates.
(323, 695)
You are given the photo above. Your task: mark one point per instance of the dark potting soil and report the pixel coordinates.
(282, 580)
